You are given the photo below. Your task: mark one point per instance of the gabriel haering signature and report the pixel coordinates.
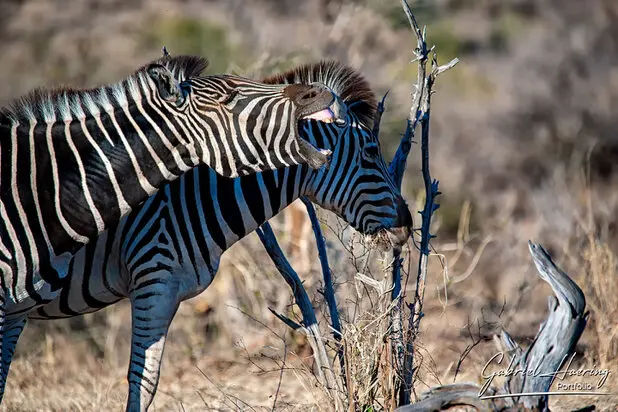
(562, 387)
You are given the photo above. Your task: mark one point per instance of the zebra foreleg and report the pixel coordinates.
(153, 306)
(10, 335)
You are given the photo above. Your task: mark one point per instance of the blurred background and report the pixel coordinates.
(524, 142)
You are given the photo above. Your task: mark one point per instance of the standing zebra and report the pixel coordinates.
(74, 162)
(169, 249)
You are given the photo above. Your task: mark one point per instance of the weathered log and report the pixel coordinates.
(556, 338)
(551, 347)
(456, 395)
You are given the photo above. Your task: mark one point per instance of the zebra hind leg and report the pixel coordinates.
(10, 335)
(153, 306)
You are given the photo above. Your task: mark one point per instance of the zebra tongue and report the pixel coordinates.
(326, 116)
(314, 157)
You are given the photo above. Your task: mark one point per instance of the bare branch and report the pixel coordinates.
(476, 340)
(396, 169)
(378, 116)
(329, 291)
(441, 69)
(324, 371)
(447, 396)
(398, 164)
(420, 112)
(421, 89)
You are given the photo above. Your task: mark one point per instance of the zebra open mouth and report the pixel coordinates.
(335, 113)
(327, 116)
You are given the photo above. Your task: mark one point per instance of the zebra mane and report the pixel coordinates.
(346, 82)
(182, 67)
(64, 102)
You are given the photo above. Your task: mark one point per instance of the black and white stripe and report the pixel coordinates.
(169, 249)
(74, 162)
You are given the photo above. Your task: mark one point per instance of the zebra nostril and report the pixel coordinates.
(311, 95)
(304, 94)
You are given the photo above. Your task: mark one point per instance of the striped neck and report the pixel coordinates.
(239, 206)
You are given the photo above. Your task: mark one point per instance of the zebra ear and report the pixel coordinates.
(167, 86)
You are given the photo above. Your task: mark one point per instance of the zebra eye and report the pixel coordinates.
(371, 151)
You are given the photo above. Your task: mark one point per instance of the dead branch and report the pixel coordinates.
(476, 340)
(450, 396)
(552, 346)
(419, 112)
(325, 373)
(397, 169)
(398, 164)
(329, 291)
(556, 338)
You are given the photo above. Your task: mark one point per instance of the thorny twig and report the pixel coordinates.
(396, 169)
(310, 327)
(419, 112)
(403, 358)
(476, 340)
(329, 291)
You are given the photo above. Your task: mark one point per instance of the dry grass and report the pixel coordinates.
(600, 286)
(61, 373)
(243, 359)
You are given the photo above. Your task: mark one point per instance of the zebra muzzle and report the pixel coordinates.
(316, 102)
(336, 113)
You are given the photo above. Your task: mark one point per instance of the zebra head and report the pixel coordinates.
(246, 125)
(356, 185)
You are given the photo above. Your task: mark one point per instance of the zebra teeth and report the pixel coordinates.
(325, 116)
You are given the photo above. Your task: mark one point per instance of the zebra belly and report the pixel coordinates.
(24, 305)
(57, 309)
(97, 278)
(20, 300)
